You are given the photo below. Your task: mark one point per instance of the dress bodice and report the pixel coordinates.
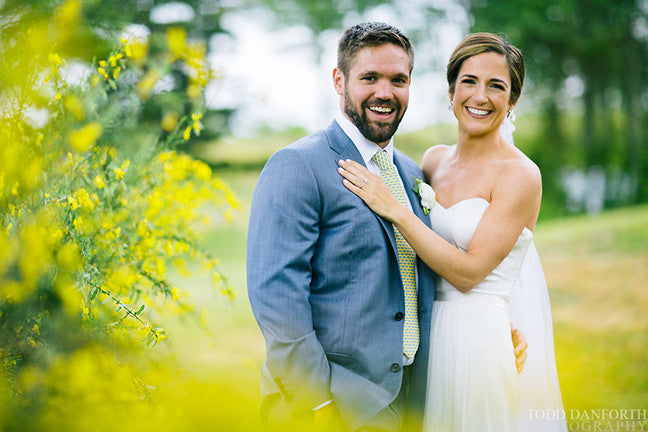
(457, 224)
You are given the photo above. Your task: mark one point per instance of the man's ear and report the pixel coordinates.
(338, 81)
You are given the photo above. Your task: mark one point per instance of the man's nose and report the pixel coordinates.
(384, 90)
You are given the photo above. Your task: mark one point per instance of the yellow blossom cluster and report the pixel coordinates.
(194, 55)
(93, 217)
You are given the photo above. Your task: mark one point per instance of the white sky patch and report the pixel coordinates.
(174, 12)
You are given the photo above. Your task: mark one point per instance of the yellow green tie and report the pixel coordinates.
(406, 257)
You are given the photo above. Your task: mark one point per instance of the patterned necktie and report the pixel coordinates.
(406, 257)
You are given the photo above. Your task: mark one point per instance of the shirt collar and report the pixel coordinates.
(366, 148)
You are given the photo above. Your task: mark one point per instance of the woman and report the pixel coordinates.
(488, 197)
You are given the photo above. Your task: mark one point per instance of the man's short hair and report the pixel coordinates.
(371, 34)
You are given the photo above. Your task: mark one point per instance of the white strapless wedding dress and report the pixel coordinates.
(473, 385)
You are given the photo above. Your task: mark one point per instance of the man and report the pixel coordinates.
(344, 310)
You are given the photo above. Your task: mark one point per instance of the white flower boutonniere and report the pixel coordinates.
(425, 191)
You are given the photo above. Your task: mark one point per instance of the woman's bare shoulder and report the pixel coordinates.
(520, 173)
(434, 156)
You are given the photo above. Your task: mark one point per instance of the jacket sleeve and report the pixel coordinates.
(282, 237)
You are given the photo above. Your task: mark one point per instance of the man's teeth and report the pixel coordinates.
(379, 109)
(477, 111)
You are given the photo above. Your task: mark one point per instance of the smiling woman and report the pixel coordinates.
(480, 98)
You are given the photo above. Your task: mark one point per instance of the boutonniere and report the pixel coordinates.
(426, 193)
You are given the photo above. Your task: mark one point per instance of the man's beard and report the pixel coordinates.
(377, 132)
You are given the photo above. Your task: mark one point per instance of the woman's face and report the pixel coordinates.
(482, 93)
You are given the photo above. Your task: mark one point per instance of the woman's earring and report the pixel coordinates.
(510, 115)
(450, 106)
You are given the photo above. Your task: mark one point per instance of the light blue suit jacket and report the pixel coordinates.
(324, 284)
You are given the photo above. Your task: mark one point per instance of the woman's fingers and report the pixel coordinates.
(354, 173)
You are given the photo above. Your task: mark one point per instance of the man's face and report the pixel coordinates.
(376, 91)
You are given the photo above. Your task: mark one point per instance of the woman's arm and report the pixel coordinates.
(514, 200)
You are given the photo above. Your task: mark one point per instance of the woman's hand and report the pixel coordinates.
(370, 188)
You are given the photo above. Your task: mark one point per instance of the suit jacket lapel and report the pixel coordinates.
(344, 147)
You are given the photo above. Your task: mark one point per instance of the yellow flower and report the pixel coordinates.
(69, 13)
(166, 156)
(201, 170)
(174, 293)
(187, 133)
(169, 121)
(55, 63)
(113, 61)
(83, 199)
(75, 106)
(95, 80)
(146, 84)
(103, 63)
(72, 203)
(82, 139)
(116, 72)
(102, 72)
(193, 91)
(58, 96)
(119, 173)
(137, 50)
(99, 182)
(176, 40)
(55, 59)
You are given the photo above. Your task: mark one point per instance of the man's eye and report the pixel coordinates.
(368, 78)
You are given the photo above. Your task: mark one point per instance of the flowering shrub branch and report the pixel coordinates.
(95, 211)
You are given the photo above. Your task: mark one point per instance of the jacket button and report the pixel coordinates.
(399, 316)
(395, 367)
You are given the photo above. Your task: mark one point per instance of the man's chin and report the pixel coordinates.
(382, 133)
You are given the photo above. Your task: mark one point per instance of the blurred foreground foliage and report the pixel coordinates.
(96, 211)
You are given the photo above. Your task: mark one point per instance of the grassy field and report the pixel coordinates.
(597, 271)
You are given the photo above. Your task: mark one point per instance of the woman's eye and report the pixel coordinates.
(468, 81)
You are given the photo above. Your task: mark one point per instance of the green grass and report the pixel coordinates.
(597, 271)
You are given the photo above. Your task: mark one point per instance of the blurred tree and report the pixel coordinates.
(107, 21)
(602, 44)
(318, 16)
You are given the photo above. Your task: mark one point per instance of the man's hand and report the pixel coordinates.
(519, 348)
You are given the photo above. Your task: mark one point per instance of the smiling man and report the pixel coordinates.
(343, 304)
